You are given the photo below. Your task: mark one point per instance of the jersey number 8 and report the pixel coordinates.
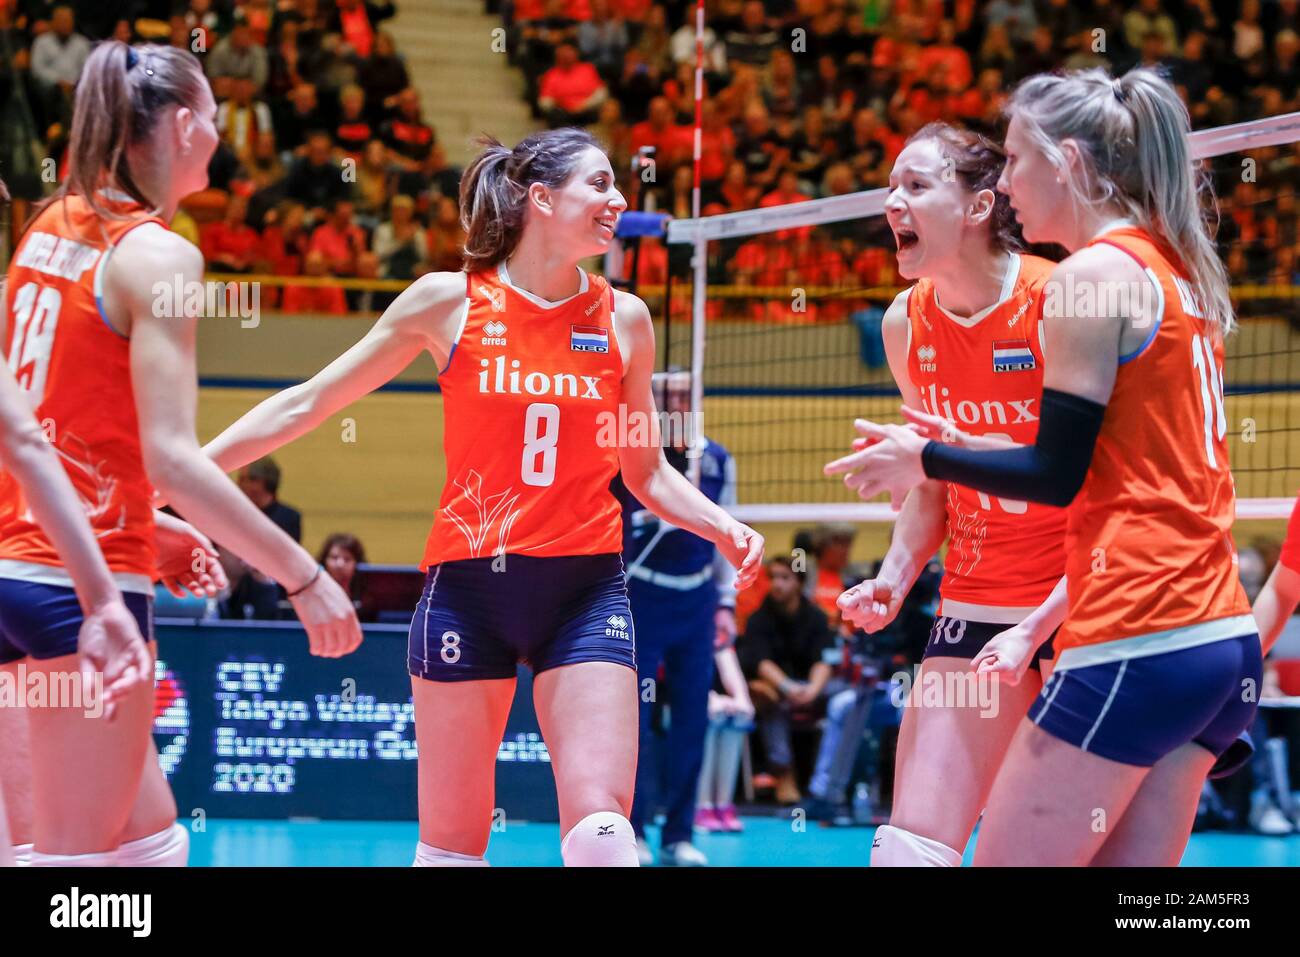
(541, 435)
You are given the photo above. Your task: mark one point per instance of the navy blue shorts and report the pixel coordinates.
(473, 623)
(959, 638)
(1137, 710)
(42, 621)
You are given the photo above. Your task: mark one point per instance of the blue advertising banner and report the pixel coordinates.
(249, 724)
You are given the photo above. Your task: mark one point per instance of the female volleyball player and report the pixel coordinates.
(539, 362)
(108, 642)
(964, 343)
(109, 364)
(1158, 662)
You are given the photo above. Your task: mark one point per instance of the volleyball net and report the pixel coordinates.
(777, 313)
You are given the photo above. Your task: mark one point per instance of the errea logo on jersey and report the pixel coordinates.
(494, 333)
(617, 627)
(497, 378)
(925, 356)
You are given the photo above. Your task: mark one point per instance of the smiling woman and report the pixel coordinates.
(523, 558)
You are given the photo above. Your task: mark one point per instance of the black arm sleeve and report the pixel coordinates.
(1050, 471)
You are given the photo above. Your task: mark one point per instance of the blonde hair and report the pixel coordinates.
(1132, 132)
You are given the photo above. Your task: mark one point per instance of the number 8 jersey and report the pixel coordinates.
(76, 370)
(531, 397)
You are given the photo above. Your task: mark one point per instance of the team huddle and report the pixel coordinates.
(1090, 567)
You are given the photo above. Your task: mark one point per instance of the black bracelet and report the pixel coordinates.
(312, 581)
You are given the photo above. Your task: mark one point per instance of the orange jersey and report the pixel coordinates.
(531, 398)
(77, 373)
(985, 374)
(1149, 542)
(1290, 554)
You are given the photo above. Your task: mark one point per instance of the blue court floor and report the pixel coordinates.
(766, 842)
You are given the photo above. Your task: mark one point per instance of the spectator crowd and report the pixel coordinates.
(326, 166)
(812, 98)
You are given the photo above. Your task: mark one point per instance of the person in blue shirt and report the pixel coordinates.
(683, 599)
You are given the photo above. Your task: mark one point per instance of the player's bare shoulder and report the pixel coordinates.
(147, 264)
(154, 251)
(895, 317)
(632, 324)
(431, 309)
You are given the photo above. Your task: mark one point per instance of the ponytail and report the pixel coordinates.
(121, 95)
(494, 189)
(1173, 187)
(1133, 135)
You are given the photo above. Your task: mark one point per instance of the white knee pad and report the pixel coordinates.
(603, 839)
(167, 848)
(23, 855)
(426, 855)
(894, 847)
(101, 859)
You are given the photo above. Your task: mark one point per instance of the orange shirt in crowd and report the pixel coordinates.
(570, 87)
(323, 299)
(672, 143)
(223, 242)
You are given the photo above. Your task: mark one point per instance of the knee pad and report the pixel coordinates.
(23, 855)
(101, 859)
(167, 848)
(426, 855)
(894, 847)
(603, 839)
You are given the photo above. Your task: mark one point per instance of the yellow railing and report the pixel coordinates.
(1252, 291)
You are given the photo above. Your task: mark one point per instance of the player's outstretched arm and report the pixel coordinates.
(922, 522)
(646, 471)
(164, 379)
(419, 319)
(1008, 653)
(1275, 603)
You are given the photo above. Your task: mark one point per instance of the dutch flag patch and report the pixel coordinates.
(588, 339)
(1012, 355)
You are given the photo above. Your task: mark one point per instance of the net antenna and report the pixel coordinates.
(784, 388)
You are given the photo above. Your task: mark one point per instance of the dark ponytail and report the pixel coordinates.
(494, 189)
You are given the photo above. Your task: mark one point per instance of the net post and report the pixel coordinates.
(699, 291)
(699, 264)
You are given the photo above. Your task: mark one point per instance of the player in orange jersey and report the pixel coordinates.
(1159, 662)
(109, 642)
(964, 343)
(545, 380)
(109, 366)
